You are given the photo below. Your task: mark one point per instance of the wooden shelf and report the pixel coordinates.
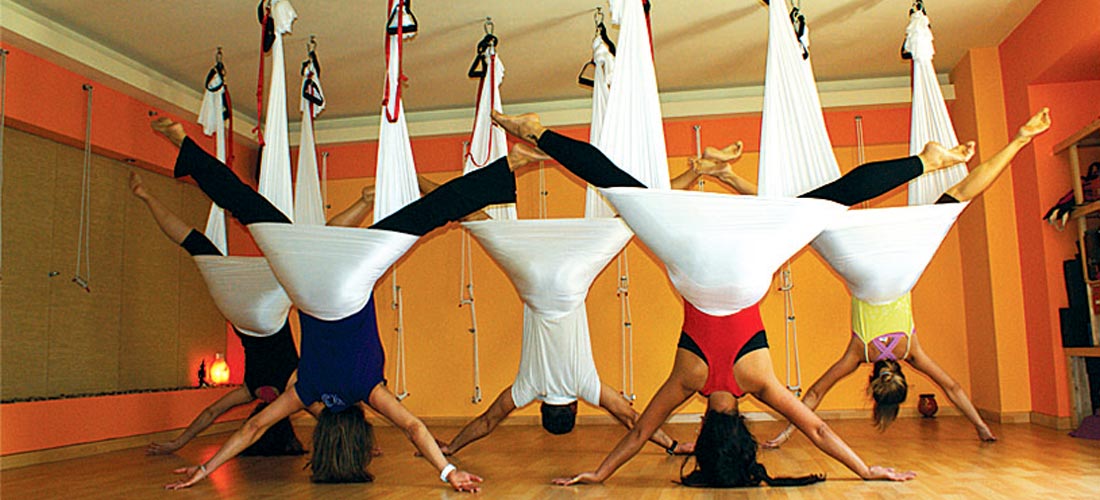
(1088, 136)
(1082, 352)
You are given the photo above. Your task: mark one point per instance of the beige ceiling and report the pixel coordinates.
(700, 44)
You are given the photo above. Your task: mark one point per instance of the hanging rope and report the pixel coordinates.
(267, 32)
(83, 243)
(3, 89)
(626, 328)
(701, 185)
(324, 179)
(790, 334)
(861, 157)
(544, 193)
(466, 296)
(400, 383)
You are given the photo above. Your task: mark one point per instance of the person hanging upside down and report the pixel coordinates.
(268, 361)
(885, 334)
(725, 358)
(342, 360)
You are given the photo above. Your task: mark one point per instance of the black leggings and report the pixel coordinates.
(197, 243)
(861, 184)
(492, 184)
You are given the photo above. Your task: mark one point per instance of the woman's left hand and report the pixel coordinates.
(582, 478)
(194, 475)
(464, 481)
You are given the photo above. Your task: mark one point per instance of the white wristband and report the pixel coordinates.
(446, 472)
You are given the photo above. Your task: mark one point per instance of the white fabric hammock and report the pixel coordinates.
(275, 182)
(929, 119)
(795, 153)
(721, 250)
(881, 253)
(604, 61)
(329, 272)
(633, 134)
(212, 119)
(796, 156)
(552, 263)
(395, 178)
(244, 288)
(308, 204)
(489, 142)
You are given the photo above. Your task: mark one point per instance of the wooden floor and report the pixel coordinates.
(519, 461)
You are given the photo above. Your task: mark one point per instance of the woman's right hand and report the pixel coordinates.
(879, 473)
(464, 481)
(194, 474)
(582, 478)
(779, 439)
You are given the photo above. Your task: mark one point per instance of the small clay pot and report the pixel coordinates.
(927, 405)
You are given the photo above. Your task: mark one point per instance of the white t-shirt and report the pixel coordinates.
(556, 365)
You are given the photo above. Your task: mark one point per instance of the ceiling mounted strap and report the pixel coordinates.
(407, 26)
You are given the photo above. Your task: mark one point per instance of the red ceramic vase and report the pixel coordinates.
(927, 405)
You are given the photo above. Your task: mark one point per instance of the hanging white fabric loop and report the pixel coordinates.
(489, 142)
(275, 182)
(790, 334)
(308, 205)
(395, 179)
(246, 292)
(212, 119)
(795, 153)
(633, 134)
(604, 61)
(723, 262)
(930, 120)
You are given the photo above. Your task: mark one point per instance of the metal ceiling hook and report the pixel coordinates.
(489, 26)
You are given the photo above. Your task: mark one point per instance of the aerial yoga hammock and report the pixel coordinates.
(258, 301)
(552, 263)
(330, 272)
(714, 247)
(881, 253)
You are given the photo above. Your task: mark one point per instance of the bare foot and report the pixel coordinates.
(368, 194)
(522, 154)
(986, 435)
(709, 166)
(138, 187)
(526, 126)
(170, 129)
(729, 153)
(1036, 125)
(935, 156)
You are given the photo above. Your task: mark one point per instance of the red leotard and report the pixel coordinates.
(721, 340)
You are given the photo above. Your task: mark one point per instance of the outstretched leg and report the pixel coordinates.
(173, 227)
(984, 174)
(217, 180)
(581, 158)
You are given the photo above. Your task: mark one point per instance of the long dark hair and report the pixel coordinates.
(725, 457)
(342, 443)
(888, 387)
(279, 439)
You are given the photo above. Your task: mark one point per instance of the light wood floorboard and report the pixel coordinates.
(518, 462)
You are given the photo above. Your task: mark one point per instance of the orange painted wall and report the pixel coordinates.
(1041, 49)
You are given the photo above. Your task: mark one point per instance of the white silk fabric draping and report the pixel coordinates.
(633, 134)
(721, 250)
(795, 153)
(212, 119)
(489, 142)
(929, 120)
(275, 182)
(329, 272)
(552, 264)
(604, 61)
(308, 205)
(881, 253)
(244, 288)
(395, 178)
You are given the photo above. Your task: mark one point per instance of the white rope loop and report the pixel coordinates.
(400, 380)
(83, 244)
(626, 329)
(701, 185)
(3, 94)
(466, 297)
(790, 334)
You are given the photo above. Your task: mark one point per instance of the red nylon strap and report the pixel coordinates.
(649, 27)
(492, 78)
(229, 137)
(258, 130)
(392, 117)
